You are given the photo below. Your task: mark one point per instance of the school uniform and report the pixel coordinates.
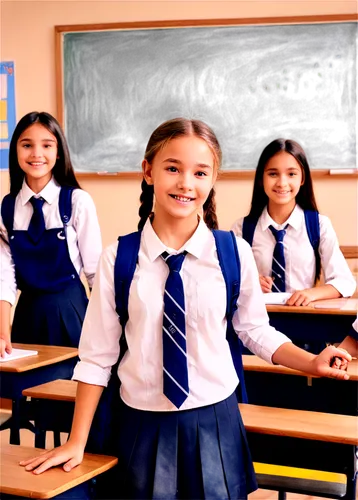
(53, 300)
(299, 255)
(199, 450)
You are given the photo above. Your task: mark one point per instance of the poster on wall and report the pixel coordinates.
(7, 110)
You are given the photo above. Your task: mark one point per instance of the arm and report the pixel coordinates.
(5, 337)
(71, 453)
(98, 352)
(305, 297)
(251, 323)
(88, 233)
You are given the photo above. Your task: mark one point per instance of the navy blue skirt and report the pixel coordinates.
(50, 318)
(193, 454)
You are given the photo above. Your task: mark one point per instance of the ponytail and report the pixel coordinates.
(209, 208)
(146, 207)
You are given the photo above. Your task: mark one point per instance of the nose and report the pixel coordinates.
(36, 151)
(282, 181)
(185, 182)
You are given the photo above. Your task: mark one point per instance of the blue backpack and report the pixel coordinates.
(101, 438)
(312, 227)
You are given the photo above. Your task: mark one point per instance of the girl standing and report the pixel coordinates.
(180, 430)
(279, 227)
(49, 234)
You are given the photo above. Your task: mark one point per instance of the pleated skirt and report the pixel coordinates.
(50, 318)
(194, 454)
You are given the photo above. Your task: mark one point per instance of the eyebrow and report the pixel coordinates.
(276, 169)
(43, 140)
(178, 162)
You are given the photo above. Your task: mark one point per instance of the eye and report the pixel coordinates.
(201, 173)
(292, 174)
(26, 146)
(172, 169)
(272, 174)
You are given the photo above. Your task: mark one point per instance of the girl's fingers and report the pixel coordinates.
(23, 463)
(71, 464)
(337, 374)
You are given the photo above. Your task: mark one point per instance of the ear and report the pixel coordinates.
(147, 172)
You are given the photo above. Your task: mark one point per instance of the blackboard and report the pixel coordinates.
(250, 83)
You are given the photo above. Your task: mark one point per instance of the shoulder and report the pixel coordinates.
(81, 197)
(108, 257)
(237, 226)
(325, 224)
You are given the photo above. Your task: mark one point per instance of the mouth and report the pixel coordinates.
(36, 163)
(282, 192)
(182, 199)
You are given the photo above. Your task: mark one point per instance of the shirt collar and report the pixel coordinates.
(294, 220)
(49, 192)
(195, 245)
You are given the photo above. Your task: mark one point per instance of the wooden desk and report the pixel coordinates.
(303, 439)
(278, 386)
(17, 482)
(322, 321)
(52, 362)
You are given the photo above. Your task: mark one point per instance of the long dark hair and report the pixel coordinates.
(172, 129)
(62, 171)
(305, 198)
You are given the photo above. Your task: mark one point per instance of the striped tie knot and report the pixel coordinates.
(279, 234)
(174, 261)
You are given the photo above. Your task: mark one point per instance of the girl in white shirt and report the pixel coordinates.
(282, 192)
(194, 448)
(49, 234)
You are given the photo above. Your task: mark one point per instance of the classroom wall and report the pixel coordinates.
(27, 37)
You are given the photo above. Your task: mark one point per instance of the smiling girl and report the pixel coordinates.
(181, 435)
(291, 242)
(49, 234)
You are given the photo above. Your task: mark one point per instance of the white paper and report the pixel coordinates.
(278, 298)
(17, 354)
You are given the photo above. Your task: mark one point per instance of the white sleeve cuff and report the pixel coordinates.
(91, 374)
(345, 287)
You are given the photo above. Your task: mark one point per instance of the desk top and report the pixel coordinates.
(256, 364)
(302, 424)
(342, 307)
(47, 355)
(16, 481)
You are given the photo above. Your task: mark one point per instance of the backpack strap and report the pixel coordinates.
(248, 229)
(65, 203)
(7, 212)
(229, 261)
(124, 267)
(313, 231)
(312, 226)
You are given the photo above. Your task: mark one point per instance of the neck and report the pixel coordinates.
(174, 233)
(280, 213)
(37, 185)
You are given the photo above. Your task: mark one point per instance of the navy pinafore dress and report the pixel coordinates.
(53, 301)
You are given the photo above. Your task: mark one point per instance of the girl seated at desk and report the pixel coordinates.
(291, 242)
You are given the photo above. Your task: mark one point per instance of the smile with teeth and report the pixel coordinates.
(36, 163)
(184, 199)
(282, 192)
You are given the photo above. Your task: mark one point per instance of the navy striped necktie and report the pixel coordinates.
(37, 223)
(278, 261)
(175, 366)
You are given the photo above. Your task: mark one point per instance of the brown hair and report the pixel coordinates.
(172, 129)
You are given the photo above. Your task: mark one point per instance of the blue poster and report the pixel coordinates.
(7, 110)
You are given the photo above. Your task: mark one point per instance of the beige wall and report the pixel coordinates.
(27, 37)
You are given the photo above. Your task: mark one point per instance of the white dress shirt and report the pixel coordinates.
(212, 376)
(83, 233)
(299, 254)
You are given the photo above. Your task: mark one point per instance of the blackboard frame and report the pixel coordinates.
(60, 31)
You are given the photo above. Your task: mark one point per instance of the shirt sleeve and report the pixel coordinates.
(237, 227)
(8, 286)
(335, 268)
(88, 232)
(251, 321)
(101, 331)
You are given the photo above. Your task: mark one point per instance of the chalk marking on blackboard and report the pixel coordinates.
(344, 171)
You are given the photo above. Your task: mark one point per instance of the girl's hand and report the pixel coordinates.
(71, 454)
(302, 297)
(321, 364)
(266, 283)
(5, 346)
(339, 363)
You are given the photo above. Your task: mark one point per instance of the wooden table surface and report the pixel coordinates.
(343, 307)
(256, 364)
(302, 424)
(16, 481)
(47, 355)
(56, 390)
